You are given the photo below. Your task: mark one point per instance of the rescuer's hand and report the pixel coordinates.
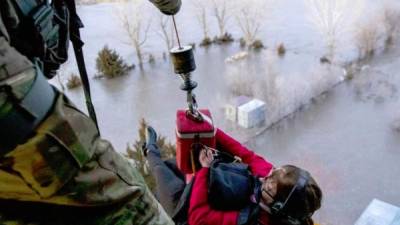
(168, 7)
(206, 157)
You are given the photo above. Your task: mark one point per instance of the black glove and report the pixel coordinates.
(168, 7)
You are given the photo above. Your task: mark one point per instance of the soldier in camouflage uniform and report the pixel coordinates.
(54, 167)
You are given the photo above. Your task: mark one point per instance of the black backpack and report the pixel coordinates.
(223, 195)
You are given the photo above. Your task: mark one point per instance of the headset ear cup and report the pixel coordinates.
(276, 208)
(293, 221)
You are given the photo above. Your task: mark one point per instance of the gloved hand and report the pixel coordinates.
(168, 7)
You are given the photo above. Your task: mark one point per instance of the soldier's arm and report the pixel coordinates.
(16, 77)
(168, 7)
(11, 61)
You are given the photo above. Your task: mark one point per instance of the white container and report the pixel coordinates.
(379, 213)
(231, 109)
(252, 113)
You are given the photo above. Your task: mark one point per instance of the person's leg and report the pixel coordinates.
(169, 181)
(171, 163)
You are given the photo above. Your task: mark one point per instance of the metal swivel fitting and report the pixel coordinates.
(184, 64)
(183, 59)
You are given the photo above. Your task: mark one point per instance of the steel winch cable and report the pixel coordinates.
(176, 32)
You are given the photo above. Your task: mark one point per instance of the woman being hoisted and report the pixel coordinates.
(285, 195)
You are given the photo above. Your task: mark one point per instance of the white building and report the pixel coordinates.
(251, 113)
(231, 109)
(379, 213)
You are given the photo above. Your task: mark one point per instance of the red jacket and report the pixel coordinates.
(200, 212)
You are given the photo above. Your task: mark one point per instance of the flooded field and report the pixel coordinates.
(348, 141)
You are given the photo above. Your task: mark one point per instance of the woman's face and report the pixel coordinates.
(270, 185)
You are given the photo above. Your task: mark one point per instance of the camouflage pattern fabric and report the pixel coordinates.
(65, 173)
(18, 69)
(67, 165)
(168, 7)
(11, 62)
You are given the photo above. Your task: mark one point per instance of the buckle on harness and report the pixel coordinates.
(25, 114)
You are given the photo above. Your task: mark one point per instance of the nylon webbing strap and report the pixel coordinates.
(85, 82)
(206, 118)
(75, 25)
(26, 6)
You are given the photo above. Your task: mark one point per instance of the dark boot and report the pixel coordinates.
(150, 142)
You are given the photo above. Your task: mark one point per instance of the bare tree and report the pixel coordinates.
(330, 18)
(249, 25)
(250, 16)
(220, 13)
(136, 26)
(366, 39)
(391, 23)
(202, 17)
(166, 31)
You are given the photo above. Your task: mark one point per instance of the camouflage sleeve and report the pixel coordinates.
(141, 208)
(11, 61)
(15, 69)
(168, 7)
(67, 164)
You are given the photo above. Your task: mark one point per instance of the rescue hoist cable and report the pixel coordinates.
(184, 64)
(192, 125)
(176, 32)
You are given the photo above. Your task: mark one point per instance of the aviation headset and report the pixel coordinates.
(277, 208)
